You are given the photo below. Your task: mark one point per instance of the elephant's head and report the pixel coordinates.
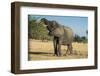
(53, 27)
(45, 21)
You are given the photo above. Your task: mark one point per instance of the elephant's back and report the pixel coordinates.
(69, 32)
(68, 35)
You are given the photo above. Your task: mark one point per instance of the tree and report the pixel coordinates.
(37, 30)
(84, 39)
(77, 38)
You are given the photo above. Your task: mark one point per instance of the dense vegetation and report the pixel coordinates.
(77, 38)
(39, 32)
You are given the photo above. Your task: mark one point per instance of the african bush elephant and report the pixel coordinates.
(62, 36)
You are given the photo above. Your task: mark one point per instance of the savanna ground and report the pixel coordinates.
(39, 50)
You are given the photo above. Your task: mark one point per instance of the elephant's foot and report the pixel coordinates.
(68, 54)
(57, 55)
(71, 53)
(54, 54)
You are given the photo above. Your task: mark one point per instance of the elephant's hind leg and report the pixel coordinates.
(59, 49)
(66, 51)
(70, 49)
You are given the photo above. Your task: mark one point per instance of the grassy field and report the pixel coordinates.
(39, 50)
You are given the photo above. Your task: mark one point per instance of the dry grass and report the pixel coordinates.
(39, 50)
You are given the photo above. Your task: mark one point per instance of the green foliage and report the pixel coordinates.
(37, 30)
(77, 38)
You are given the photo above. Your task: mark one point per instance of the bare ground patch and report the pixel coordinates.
(39, 50)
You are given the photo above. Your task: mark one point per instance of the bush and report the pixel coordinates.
(37, 30)
(77, 38)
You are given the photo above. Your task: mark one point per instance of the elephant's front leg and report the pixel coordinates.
(55, 45)
(59, 47)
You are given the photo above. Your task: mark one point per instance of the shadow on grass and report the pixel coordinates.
(39, 53)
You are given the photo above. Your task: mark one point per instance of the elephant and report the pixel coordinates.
(62, 35)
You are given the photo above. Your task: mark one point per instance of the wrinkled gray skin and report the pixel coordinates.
(62, 36)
